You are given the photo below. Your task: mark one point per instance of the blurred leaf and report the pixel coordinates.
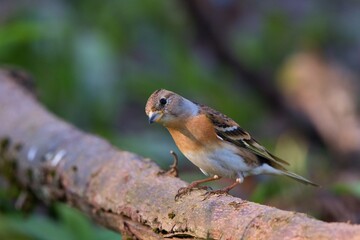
(79, 225)
(294, 150)
(75, 222)
(265, 191)
(72, 225)
(9, 232)
(34, 227)
(347, 189)
(15, 34)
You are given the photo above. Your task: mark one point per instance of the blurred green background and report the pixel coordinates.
(96, 62)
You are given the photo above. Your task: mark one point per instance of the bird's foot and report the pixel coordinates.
(195, 185)
(224, 190)
(208, 194)
(173, 171)
(186, 190)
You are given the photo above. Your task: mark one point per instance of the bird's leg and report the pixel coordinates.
(173, 171)
(224, 190)
(184, 190)
(173, 167)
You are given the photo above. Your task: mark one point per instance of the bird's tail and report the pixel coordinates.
(299, 178)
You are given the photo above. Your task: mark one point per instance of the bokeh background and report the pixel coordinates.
(287, 71)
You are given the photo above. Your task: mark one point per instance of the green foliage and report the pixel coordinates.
(347, 189)
(15, 35)
(70, 225)
(266, 191)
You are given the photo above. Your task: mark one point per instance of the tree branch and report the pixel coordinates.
(124, 191)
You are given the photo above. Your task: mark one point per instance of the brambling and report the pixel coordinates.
(213, 142)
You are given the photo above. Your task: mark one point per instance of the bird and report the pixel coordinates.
(213, 142)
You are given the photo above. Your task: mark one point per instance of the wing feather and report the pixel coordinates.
(228, 130)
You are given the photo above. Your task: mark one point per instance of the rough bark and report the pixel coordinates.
(124, 191)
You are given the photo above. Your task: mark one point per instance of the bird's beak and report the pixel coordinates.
(155, 116)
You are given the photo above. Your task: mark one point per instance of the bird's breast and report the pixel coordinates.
(194, 134)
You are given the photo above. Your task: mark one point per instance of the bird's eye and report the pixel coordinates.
(163, 101)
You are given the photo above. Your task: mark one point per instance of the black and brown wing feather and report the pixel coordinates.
(228, 130)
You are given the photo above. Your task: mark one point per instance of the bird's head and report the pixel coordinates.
(167, 107)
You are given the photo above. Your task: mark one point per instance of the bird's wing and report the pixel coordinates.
(228, 130)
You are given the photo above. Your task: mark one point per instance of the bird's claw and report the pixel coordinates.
(208, 194)
(186, 190)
